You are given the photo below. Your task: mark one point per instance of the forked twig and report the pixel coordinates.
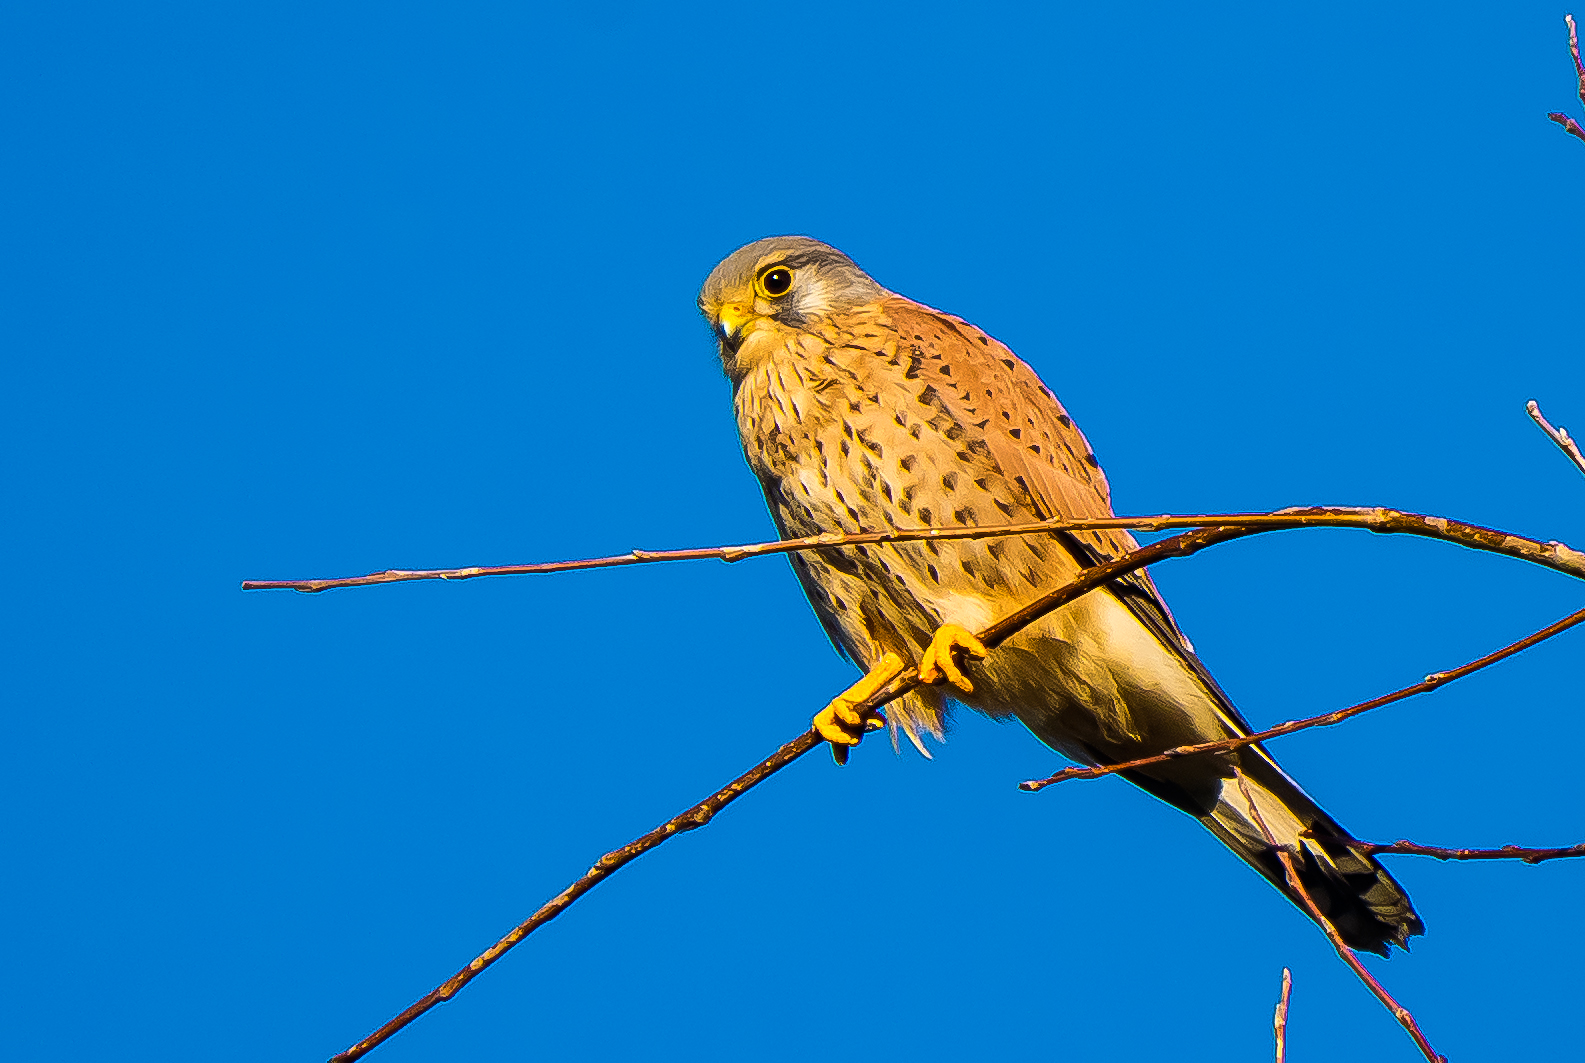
(1429, 683)
(1376, 519)
(1291, 873)
(1558, 435)
(1279, 1020)
(1559, 117)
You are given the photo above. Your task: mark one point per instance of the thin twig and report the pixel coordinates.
(1559, 436)
(1291, 873)
(1573, 51)
(1429, 683)
(1579, 72)
(1553, 555)
(1507, 852)
(1279, 1020)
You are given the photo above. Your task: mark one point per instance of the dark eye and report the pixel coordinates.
(775, 282)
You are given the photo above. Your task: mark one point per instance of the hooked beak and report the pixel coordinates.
(729, 323)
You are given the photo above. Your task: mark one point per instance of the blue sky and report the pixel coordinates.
(302, 290)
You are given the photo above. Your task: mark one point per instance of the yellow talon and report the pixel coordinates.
(937, 663)
(840, 722)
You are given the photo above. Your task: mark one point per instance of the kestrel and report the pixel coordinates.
(862, 410)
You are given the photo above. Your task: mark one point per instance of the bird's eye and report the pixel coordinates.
(776, 281)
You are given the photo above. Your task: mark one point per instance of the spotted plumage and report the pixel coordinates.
(861, 410)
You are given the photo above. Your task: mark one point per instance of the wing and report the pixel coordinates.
(1037, 445)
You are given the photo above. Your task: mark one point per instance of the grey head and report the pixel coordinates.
(785, 279)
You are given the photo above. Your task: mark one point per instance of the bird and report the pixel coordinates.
(860, 409)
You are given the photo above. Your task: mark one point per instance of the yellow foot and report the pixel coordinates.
(937, 663)
(841, 723)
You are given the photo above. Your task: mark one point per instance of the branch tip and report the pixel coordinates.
(1557, 434)
(1279, 1019)
(1568, 124)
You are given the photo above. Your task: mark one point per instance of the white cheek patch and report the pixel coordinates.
(811, 296)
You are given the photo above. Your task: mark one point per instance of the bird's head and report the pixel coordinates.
(774, 285)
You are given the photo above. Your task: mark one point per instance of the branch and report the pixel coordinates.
(1429, 683)
(1559, 436)
(1559, 117)
(1552, 555)
(1347, 955)
(1507, 852)
(1211, 530)
(1183, 545)
(1279, 1020)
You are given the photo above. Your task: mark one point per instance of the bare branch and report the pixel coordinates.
(1553, 555)
(1183, 545)
(1210, 530)
(1559, 117)
(1559, 436)
(1291, 873)
(1507, 852)
(1429, 683)
(1279, 1020)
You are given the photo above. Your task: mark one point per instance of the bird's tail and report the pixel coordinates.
(1260, 805)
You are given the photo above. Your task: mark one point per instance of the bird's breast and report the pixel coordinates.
(850, 437)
